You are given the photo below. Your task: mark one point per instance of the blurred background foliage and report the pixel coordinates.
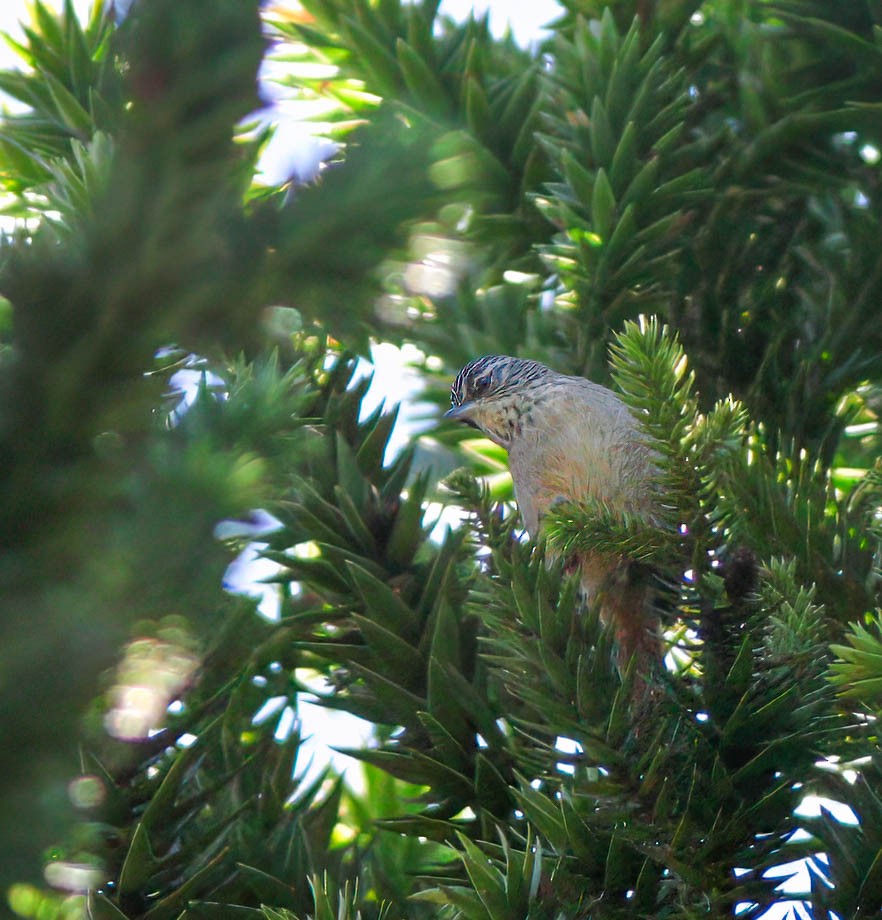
(678, 198)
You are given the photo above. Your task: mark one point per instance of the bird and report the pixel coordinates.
(570, 440)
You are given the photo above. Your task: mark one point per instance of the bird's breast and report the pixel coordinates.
(577, 451)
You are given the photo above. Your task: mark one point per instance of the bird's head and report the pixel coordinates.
(496, 394)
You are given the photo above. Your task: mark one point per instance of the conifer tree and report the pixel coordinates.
(679, 199)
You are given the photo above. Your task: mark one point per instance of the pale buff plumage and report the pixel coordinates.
(569, 439)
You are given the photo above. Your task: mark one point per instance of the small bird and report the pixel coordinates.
(569, 440)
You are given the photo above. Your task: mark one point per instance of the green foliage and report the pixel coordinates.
(679, 198)
(729, 744)
(499, 887)
(72, 90)
(480, 93)
(858, 670)
(325, 262)
(626, 181)
(848, 880)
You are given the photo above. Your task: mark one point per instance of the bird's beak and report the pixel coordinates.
(462, 413)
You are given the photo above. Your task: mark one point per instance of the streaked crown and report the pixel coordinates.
(493, 376)
(497, 394)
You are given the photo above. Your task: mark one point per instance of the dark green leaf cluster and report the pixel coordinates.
(215, 807)
(652, 181)
(214, 811)
(507, 889)
(858, 669)
(847, 880)
(72, 92)
(627, 176)
(383, 606)
(480, 94)
(653, 811)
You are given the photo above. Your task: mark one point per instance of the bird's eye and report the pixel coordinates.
(482, 383)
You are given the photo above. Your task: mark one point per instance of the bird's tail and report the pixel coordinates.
(626, 594)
